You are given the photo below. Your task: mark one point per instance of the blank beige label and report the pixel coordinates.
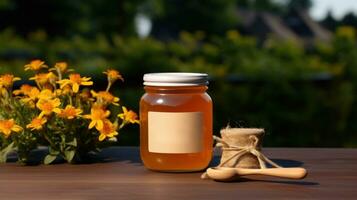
(175, 132)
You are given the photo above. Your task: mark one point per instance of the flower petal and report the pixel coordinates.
(92, 124)
(87, 116)
(87, 83)
(75, 87)
(41, 114)
(121, 115)
(99, 125)
(102, 137)
(16, 128)
(57, 110)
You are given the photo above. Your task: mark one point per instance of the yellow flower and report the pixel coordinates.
(109, 130)
(36, 123)
(25, 89)
(43, 78)
(31, 97)
(52, 78)
(128, 116)
(7, 80)
(113, 75)
(47, 86)
(86, 95)
(35, 65)
(98, 115)
(47, 106)
(75, 80)
(64, 91)
(8, 126)
(4, 93)
(46, 94)
(60, 66)
(70, 112)
(104, 97)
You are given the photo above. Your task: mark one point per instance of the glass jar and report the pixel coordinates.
(176, 122)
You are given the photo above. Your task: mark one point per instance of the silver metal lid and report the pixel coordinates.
(175, 79)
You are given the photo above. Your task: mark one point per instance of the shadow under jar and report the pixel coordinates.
(176, 122)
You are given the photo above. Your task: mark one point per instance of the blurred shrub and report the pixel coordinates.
(302, 97)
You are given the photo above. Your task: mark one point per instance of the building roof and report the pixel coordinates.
(277, 27)
(316, 30)
(297, 26)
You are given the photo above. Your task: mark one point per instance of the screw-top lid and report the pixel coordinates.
(175, 79)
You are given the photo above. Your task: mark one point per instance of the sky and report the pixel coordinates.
(338, 7)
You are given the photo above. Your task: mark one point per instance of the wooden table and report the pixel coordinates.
(332, 175)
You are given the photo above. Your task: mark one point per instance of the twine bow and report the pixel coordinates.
(240, 151)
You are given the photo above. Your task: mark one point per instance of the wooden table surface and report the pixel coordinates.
(121, 175)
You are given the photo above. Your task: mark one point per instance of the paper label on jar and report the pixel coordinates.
(175, 132)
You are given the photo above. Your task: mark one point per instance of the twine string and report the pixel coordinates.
(240, 151)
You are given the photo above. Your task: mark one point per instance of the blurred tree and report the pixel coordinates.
(115, 16)
(268, 5)
(329, 22)
(300, 4)
(55, 17)
(67, 17)
(262, 5)
(6, 5)
(350, 19)
(210, 16)
(245, 3)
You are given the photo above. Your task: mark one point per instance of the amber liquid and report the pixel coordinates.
(176, 99)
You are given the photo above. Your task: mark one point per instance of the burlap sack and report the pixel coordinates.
(241, 137)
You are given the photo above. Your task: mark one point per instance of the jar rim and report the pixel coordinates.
(175, 79)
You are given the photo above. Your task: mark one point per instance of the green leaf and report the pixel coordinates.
(73, 142)
(4, 152)
(49, 159)
(53, 151)
(69, 155)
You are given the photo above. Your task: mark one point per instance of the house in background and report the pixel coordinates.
(297, 26)
(303, 25)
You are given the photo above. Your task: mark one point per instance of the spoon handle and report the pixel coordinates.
(292, 172)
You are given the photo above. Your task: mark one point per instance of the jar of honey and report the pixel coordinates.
(176, 122)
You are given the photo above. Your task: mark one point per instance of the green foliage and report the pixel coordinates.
(5, 151)
(276, 85)
(300, 4)
(194, 15)
(264, 5)
(67, 17)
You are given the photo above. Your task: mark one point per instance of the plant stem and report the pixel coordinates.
(108, 87)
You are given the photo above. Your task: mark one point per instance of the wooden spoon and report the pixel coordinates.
(227, 174)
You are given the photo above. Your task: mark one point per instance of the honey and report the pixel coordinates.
(176, 122)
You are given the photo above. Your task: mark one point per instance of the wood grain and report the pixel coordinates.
(120, 175)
